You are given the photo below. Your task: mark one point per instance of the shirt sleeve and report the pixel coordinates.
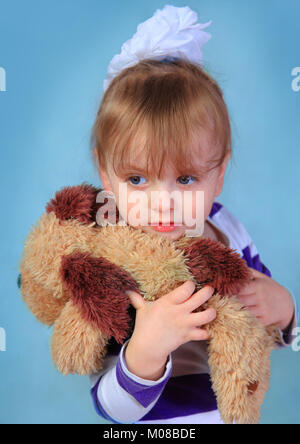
(120, 396)
(289, 334)
(239, 237)
(251, 256)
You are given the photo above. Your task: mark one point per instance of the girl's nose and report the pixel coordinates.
(161, 199)
(166, 206)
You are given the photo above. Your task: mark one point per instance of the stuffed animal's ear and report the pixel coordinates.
(98, 310)
(74, 202)
(97, 287)
(212, 263)
(77, 345)
(77, 202)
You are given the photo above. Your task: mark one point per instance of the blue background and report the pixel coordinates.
(55, 54)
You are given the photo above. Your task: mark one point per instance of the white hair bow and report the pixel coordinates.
(170, 34)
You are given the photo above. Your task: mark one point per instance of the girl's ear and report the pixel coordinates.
(222, 174)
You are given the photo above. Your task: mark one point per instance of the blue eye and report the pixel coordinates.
(185, 179)
(135, 180)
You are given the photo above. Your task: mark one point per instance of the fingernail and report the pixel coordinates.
(210, 288)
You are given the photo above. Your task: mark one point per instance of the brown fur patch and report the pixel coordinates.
(97, 287)
(77, 202)
(252, 387)
(213, 264)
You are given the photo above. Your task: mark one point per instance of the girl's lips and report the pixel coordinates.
(161, 223)
(164, 228)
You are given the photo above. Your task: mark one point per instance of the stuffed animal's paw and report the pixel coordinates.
(239, 360)
(77, 346)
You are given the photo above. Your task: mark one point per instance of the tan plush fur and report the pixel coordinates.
(239, 354)
(239, 348)
(77, 346)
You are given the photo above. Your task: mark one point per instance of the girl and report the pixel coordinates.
(163, 126)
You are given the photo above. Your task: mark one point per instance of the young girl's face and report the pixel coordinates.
(157, 204)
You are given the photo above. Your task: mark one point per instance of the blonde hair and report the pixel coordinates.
(170, 104)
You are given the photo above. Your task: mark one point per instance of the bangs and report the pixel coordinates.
(155, 113)
(145, 153)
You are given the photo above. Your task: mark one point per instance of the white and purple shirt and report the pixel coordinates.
(183, 395)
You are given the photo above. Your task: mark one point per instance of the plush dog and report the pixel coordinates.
(74, 274)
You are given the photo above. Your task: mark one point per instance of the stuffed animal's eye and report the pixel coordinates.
(135, 180)
(19, 280)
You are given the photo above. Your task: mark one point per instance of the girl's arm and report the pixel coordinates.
(278, 298)
(122, 397)
(287, 333)
(267, 291)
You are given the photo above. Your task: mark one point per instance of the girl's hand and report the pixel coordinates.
(269, 301)
(163, 325)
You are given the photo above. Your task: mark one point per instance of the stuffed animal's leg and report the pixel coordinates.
(239, 351)
(77, 345)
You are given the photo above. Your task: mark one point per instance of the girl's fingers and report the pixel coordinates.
(258, 314)
(199, 298)
(136, 300)
(248, 300)
(249, 288)
(182, 293)
(198, 334)
(254, 310)
(202, 317)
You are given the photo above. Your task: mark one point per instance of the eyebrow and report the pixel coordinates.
(192, 170)
(142, 171)
(127, 171)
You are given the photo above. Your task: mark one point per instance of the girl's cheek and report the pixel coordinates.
(197, 209)
(134, 213)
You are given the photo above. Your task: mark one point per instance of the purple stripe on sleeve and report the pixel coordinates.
(255, 262)
(215, 208)
(183, 396)
(144, 394)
